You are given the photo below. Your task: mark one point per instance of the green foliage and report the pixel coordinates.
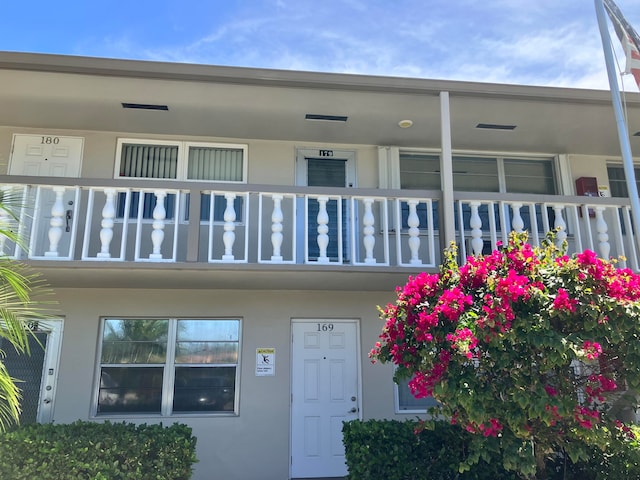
(411, 450)
(22, 300)
(97, 451)
(525, 346)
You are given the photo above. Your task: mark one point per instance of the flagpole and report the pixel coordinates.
(623, 134)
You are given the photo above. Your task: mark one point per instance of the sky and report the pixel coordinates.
(530, 42)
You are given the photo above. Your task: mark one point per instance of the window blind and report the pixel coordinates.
(149, 161)
(219, 164)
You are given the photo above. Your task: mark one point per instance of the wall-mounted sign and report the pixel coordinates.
(265, 362)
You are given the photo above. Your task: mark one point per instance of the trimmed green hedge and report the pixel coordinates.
(97, 451)
(390, 449)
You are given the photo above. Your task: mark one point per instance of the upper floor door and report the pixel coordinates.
(46, 155)
(326, 168)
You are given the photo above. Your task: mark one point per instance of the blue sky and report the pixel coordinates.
(533, 42)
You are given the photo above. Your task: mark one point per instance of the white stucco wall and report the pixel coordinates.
(255, 444)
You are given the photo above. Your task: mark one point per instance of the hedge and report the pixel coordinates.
(97, 451)
(391, 450)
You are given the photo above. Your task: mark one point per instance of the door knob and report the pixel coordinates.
(47, 401)
(353, 410)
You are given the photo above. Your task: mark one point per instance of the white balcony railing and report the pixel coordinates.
(149, 222)
(142, 221)
(603, 225)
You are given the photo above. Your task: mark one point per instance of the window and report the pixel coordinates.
(478, 173)
(407, 403)
(181, 160)
(168, 366)
(618, 182)
(156, 159)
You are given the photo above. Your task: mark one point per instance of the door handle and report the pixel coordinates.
(353, 410)
(47, 401)
(68, 216)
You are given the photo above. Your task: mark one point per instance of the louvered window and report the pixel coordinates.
(182, 161)
(178, 161)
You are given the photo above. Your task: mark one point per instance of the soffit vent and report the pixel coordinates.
(495, 126)
(145, 106)
(326, 118)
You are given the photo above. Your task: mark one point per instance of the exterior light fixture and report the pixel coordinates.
(405, 123)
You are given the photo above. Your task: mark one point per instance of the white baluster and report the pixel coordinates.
(159, 216)
(413, 221)
(603, 236)
(276, 228)
(229, 236)
(323, 230)
(560, 225)
(368, 220)
(108, 214)
(475, 222)
(56, 223)
(517, 224)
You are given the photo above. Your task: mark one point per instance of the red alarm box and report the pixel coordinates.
(588, 187)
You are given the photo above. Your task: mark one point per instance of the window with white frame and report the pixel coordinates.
(618, 182)
(213, 162)
(167, 366)
(479, 173)
(155, 159)
(407, 403)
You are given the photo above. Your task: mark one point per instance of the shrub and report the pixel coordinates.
(526, 346)
(97, 451)
(395, 450)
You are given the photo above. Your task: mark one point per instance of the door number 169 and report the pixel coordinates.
(325, 327)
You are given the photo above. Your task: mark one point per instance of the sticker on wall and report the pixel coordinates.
(265, 362)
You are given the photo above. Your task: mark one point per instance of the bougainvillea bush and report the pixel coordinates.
(526, 347)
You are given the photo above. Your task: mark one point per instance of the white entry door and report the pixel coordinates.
(325, 393)
(325, 168)
(49, 156)
(46, 155)
(37, 373)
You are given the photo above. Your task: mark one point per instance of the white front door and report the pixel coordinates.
(325, 393)
(46, 155)
(36, 373)
(49, 156)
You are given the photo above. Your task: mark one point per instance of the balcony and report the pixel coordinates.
(79, 229)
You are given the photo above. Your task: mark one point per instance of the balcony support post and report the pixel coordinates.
(603, 236)
(229, 235)
(323, 229)
(560, 225)
(368, 221)
(413, 222)
(159, 216)
(517, 224)
(56, 222)
(277, 218)
(475, 222)
(107, 223)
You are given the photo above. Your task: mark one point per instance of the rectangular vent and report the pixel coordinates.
(145, 106)
(495, 126)
(326, 118)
